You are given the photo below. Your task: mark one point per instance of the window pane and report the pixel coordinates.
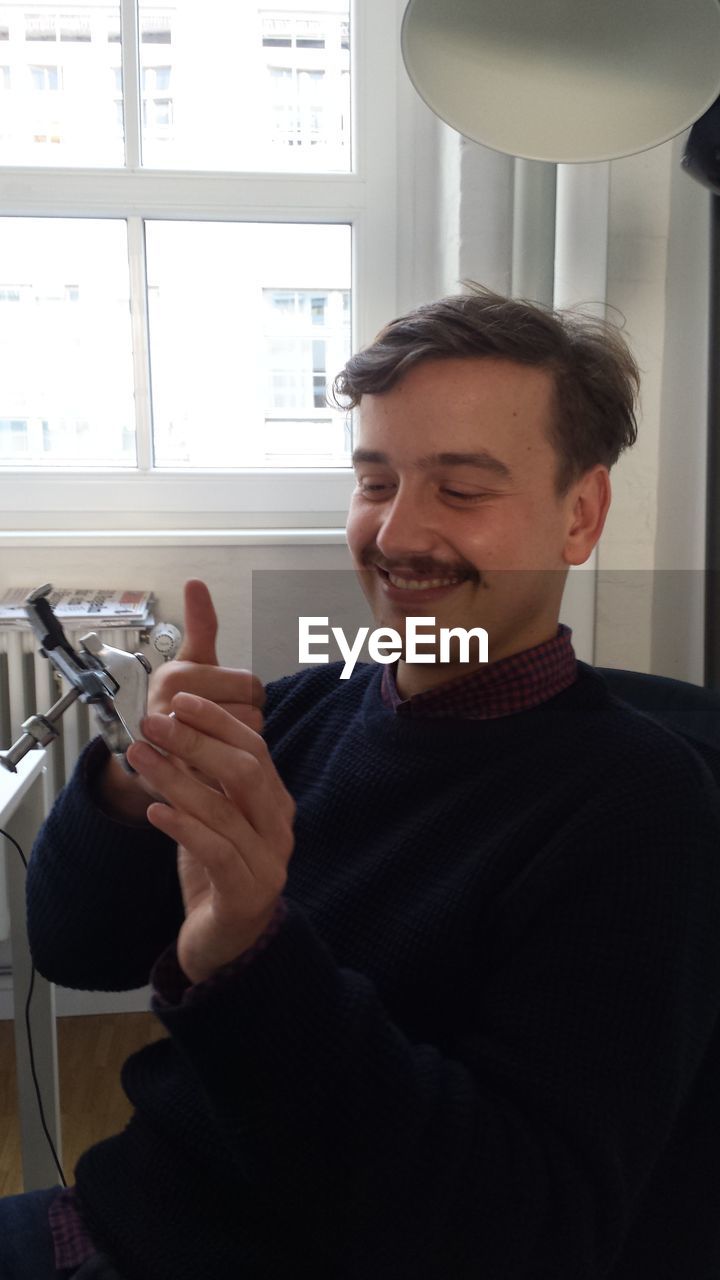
(249, 322)
(246, 86)
(59, 104)
(66, 393)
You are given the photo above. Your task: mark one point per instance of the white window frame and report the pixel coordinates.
(366, 199)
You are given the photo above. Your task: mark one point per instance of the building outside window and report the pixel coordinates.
(157, 104)
(240, 365)
(308, 340)
(41, 26)
(45, 78)
(251, 87)
(75, 28)
(307, 76)
(14, 437)
(156, 28)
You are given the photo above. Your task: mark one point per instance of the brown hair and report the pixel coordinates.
(596, 377)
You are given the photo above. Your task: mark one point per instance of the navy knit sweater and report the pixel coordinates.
(484, 1044)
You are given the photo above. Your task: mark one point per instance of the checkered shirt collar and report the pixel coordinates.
(503, 688)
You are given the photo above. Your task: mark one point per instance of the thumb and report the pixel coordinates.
(201, 625)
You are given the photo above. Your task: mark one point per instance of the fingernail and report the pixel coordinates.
(187, 702)
(154, 725)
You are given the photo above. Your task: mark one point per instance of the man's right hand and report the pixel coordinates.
(195, 670)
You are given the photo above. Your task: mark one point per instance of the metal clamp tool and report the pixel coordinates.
(113, 682)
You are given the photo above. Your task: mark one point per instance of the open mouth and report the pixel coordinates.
(403, 582)
(418, 584)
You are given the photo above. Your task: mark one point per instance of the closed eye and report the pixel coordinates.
(365, 487)
(465, 497)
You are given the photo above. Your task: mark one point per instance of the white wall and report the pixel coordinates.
(651, 555)
(227, 569)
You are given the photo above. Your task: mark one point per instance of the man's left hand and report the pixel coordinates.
(232, 819)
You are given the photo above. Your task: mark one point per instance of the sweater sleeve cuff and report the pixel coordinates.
(171, 986)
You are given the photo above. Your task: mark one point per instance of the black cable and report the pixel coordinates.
(33, 1072)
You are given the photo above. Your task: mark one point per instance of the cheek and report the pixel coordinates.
(504, 537)
(487, 535)
(360, 528)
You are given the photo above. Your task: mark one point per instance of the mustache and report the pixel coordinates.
(422, 567)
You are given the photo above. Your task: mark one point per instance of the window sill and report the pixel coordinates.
(48, 538)
(173, 499)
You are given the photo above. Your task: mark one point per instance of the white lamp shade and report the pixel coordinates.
(565, 80)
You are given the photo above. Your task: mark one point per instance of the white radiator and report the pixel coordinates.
(30, 684)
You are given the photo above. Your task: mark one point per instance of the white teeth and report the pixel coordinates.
(421, 584)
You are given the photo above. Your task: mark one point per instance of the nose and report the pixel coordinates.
(408, 527)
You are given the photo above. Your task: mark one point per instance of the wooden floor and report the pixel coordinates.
(91, 1051)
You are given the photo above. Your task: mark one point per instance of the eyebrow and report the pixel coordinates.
(485, 461)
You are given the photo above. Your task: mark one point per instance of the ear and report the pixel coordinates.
(588, 503)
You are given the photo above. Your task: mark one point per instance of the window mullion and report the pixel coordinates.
(130, 35)
(140, 342)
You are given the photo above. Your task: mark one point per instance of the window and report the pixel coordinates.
(53, 25)
(66, 348)
(157, 105)
(307, 337)
(156, 28)
(41, 26)
(14, 437)
(298, 108)
(256, 91)
(184, 269)
(307, 62)
(60, 108)
(75, 28)
(238, 381)
(43, 78)
(277, 32)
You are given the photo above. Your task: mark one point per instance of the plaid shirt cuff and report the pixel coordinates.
(171, 986)
(71, 1241)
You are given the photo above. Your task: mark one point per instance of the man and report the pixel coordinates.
(438, 954)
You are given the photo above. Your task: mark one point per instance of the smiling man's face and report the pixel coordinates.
(456, 513)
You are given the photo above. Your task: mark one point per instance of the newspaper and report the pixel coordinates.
(100, 605)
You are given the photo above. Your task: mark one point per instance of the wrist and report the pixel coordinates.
(198, 969)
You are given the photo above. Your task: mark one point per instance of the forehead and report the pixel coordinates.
(462, 404)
